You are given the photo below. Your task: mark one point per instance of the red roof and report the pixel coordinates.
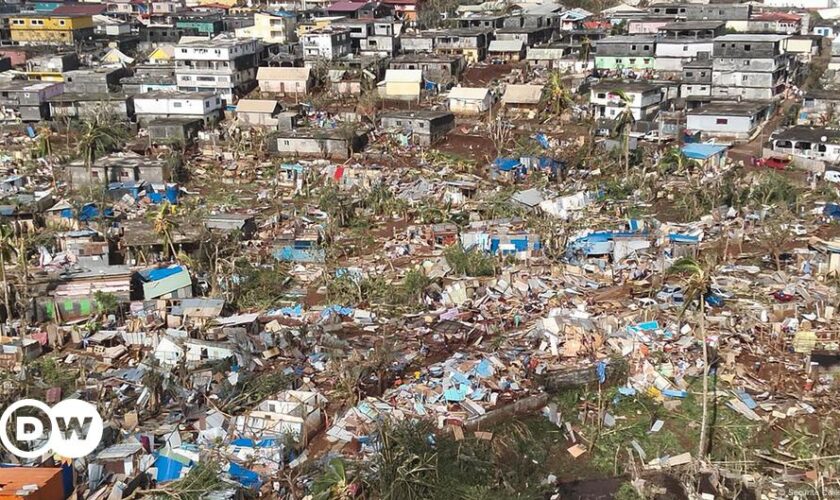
(777, 16)
(591, 25)
(79, 9)
(346, 6)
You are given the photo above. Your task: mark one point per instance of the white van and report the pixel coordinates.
(832, 176)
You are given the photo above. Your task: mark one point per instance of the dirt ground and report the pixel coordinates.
(484, 74)
(474, 147)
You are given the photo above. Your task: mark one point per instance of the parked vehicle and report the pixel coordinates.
(671, 293)
(774, 162)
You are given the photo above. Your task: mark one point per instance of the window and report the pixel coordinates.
(602, 95)
(206, 104)
(646, 47)
(399, 123)
(124, 173)
(689, 74)
(685, 48)
(747, 47)
(702, 74)
(94, 174)
(632, 60)
(722, 121)
(177, 104)
(632, 47)
(746, 62)
(61, 22)
(286, 143)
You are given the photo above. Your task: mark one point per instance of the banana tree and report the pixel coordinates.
(557, 96)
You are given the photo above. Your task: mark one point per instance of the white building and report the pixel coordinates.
(814, 143)
(329, 44)
(642, 98)
(270, 28)
(155, 105)
(731, 120)
(470, 100)
(224, 66)
(296, 414)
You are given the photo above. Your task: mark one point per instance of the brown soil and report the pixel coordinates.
(483, 75)
(473, 147)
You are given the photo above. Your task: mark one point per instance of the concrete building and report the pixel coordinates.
(507, 51)
(47, 29)
(625, 52)
(88, 104)
(696, 78)
(97, 80)
(814, 143)
(224, 66)
(322, 142)
(27, 101)
(472, 43)
(404, 84)
(469, 100)
(819, 107)
(434, 67)
(424, 127)
(285, 81)
(329, 44)
(151, 106)
(265, 113)
(643, 99)
(751, 66)
(119, 167)
(270, 28)
(682, 42)
(729, 120)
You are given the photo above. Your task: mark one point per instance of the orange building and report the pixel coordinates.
(31, 483)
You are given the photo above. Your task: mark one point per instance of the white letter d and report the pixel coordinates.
(29, 429)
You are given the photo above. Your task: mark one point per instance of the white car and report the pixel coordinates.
(832, 176)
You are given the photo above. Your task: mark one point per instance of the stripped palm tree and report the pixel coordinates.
(624, 123)
(6, 234)
(697, 280)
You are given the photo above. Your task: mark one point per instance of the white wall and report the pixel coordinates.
(734, 125)
(211, 53)
(176, 105)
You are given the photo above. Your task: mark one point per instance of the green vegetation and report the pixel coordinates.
(470, 262)
(348, 289)
(260, 287)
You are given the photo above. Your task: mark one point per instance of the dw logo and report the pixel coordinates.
(75, 428)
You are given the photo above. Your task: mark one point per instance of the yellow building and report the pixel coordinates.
(31, 29)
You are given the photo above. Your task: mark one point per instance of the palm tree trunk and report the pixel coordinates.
(5, 289)
(704, 422)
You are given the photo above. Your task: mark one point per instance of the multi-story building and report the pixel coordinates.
(47, 29)
(224, 66)
(205, 23)
(625, 52)
(697, 77)
(325, 44)
(681, 42)
(471, 43)
(643, 99)
(270, 28)
(751, 66)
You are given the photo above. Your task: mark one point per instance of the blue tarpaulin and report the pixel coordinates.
(506, 164)
(245, 477)
(832, 210)
(683, 238)
(702, 151)
(90, 212)
(167, 469)
(159, 274)
(542, 140)
(344, 311)
(289, 254)
(601, 369)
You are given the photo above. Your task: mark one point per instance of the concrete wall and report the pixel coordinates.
(735, 126)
